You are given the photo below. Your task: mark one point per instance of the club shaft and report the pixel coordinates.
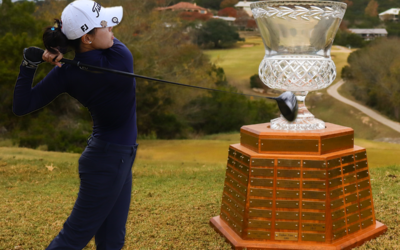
(83, 65)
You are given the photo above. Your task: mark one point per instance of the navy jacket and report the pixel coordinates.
(110, 98)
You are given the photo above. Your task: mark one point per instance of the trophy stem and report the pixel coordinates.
(304, 121)
(303, 112)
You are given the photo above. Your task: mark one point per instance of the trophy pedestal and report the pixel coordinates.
(297, 190)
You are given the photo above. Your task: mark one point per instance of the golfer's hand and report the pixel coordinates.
(53, 58)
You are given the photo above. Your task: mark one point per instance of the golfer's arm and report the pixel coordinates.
(28, 98)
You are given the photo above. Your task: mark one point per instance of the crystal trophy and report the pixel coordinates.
(298, 37)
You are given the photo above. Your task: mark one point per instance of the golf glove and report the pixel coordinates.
(32, 57)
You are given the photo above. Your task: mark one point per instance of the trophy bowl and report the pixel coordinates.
(298, 37)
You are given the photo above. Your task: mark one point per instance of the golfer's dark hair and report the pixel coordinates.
(54, 38)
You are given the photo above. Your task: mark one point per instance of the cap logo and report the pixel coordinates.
(96, 8)
(115, 20)
(84, 27)
(103, 24)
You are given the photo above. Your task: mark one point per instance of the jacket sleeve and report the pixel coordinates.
(28, 99)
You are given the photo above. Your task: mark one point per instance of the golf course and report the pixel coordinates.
(178, 184)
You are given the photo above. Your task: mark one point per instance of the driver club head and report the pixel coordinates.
(287, 104)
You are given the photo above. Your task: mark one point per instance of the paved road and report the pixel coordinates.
(373, 114)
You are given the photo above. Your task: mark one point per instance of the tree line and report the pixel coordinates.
(159, 50)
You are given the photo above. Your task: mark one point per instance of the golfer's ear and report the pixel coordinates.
(86, 39)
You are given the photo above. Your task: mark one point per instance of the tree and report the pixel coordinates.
(229, 11)
(219, 33)
(372, 9)
(211, 4)
(228, 3)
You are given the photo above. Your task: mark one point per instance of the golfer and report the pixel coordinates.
(102, 205)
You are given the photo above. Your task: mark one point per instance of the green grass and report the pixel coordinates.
(175, 193)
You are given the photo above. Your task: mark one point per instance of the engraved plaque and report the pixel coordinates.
(312, 216)
(340, 234)
(262, 182)
(314, 184)
(314, 195)
(233, 193)
(261, 192)
(334, 172)
(362, 174)
(350, 188)
(366, 203)
(260, 203)
(338, 224)
(364, 193)
(253, 212)
(363, 184)
(231, 152)
(337, 203)
(335, 182)
(249, 141)
(367, 223)
(352, 208)
(288, 173)
(353, 228)
(353, 218)
(238, 155)
(349, 178)
(237, 175)
(319, 227)
(313, 237)
(334, 163)
(287, 215)
(337, 143)
(262, 172)
(349, 168)
(361, 155)
(289, 163)
(313, 205)
(246, 159)
(287, 194)
(314, 164)
(232, 213)
(286, 225)
(291, 145)
(239, 207)
(314, 174)
(365, 213)
(286, 236)
(336, 192)
(255, 162)
(260, 224)
(347, 159)
(261, 235)
(287, 184)
(237, 185)
(243, 168)
(231, 223)
(286, 204)
(338, 214)
(361, 164)
(351, 198)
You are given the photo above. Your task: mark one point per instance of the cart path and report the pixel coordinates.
(332, 91)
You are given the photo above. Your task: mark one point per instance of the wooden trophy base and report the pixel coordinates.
(297, 190)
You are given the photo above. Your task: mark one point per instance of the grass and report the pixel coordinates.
(174, 195)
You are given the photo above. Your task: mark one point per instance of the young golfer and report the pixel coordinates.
(102, 205)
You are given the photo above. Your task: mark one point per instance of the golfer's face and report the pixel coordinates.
(104, 38)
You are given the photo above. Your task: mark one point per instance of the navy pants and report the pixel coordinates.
(102, 206)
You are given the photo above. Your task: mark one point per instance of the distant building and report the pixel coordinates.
(245, 5)
(229, 20)
(369, 34)
(184, 6)
(391, 15)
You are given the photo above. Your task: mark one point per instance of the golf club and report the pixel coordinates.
(287, 102)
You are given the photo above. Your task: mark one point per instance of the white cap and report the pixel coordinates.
(81, 16)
